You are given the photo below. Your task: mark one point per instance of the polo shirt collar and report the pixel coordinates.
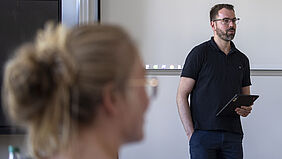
(232, 50)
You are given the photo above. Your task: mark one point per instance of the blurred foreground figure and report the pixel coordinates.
(80, 92)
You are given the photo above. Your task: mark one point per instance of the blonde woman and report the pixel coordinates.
(79, 92)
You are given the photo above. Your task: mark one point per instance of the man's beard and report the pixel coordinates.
(224, 35)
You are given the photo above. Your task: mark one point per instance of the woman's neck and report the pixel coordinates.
(92, 144)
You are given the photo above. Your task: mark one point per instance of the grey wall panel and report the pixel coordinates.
(263, 127)
(70, 12)
(164, 135)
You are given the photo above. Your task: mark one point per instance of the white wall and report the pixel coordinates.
(167, 30)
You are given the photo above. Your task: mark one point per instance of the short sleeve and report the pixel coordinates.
(246, 77)
(193, 63)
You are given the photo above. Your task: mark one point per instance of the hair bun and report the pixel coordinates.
(37, 72)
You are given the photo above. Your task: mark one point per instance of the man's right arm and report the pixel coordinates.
(184, 89)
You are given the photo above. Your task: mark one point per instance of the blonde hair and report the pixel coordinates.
(56, 82)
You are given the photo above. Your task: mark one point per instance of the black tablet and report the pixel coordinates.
(237, 101)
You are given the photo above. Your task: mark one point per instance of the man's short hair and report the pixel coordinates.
(217, 7)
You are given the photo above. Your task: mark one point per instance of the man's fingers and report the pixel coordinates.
(242, 111)
(247, 107)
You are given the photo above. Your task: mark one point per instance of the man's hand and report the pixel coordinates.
(190, 135)
(244, 111)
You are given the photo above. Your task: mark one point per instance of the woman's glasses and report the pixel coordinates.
(150, 84)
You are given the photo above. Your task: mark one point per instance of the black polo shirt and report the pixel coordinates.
(218, 78)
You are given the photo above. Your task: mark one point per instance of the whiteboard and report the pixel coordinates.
(165, 30)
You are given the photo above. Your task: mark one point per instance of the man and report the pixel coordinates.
(213, 73)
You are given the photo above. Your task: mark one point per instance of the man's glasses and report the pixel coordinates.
(227, 21)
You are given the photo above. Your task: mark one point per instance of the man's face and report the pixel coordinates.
(225, 31)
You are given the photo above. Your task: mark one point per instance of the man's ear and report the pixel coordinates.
(110, 99)
(213, 25)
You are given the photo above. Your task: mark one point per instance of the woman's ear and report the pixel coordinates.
(110, 99)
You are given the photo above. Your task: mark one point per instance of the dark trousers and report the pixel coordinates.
(215, 145)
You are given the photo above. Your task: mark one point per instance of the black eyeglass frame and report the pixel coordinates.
(227, 21)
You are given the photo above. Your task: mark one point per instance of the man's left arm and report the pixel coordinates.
(244, 111)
